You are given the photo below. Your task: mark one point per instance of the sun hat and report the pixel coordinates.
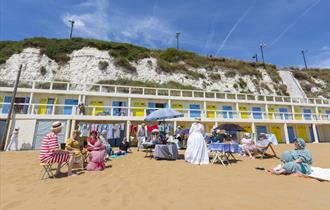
(198, 119)
(247, 134)
(56, 125)
(98, 146)
(155, 131)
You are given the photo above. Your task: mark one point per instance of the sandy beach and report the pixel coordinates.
(135, 182)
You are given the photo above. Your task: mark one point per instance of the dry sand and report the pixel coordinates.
(135, 182)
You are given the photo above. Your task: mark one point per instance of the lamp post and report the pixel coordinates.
(72, 23)
(255, 56)
(303, 54)
(5, 131)
(262, 46)
(177, 40)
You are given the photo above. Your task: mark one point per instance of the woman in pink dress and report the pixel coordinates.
(96, 157)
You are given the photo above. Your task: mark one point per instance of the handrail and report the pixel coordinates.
(248, 97)
(92, 110)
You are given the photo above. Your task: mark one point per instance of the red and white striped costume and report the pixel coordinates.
(49, 143)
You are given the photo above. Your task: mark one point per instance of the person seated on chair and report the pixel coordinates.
(178, 140)
(74, 146)
(91, 140)
(49, 150)
(96, 157)
(209, 138)
(261, 143)
(104, 139)
(247, 146)
(297, 161)
(219, 136)
(155, 139)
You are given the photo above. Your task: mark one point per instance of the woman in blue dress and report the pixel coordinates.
(297, 161)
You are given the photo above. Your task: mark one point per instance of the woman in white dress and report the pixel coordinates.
(196, 152)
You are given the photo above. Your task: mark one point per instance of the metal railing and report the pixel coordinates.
(120, 111)
(173, 93)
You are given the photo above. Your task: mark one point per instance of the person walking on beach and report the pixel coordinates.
(196, 152)
(141, 134)
(14, 139)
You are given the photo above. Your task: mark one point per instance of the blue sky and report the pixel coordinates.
(226, 28)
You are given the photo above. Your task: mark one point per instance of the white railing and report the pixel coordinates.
(148, 91)
(119, 111)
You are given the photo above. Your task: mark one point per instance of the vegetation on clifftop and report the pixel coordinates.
(169, 61)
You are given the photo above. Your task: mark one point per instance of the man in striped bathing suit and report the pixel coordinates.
(49, 151)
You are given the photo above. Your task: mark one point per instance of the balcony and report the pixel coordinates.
(93, 112)
(131, 91)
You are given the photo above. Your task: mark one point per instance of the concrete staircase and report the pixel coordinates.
(294, 88)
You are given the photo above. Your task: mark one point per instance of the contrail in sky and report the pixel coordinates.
(211, 33)
(233, 29)
(294, 22)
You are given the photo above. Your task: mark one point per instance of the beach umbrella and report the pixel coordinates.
(185, 131)
(230, 127)
(162, 114)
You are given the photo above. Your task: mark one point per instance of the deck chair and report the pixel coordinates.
(47, 170)
(265, 153)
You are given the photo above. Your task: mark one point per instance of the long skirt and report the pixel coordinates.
(196, 152)
(96, 162)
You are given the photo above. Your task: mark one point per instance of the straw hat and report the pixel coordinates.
(57, 125)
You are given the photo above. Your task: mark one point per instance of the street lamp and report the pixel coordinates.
(303, 54)
(255, 56)
(262, 46)
(72, 23)
(177, 40)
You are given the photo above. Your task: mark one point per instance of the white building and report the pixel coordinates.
(119, 108)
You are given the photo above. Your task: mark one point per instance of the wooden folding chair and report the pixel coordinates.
(264, 153)
(47, 170)
(148, 152)
(220, 157)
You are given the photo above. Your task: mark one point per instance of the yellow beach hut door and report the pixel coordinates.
(302, 132)
(248, 128)
(276, 130)
(271, 110)
(98, 105)
(210, 111)
(139, 112)
(243, 111)
(298, 115)
(177, 107)
(43, 106)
